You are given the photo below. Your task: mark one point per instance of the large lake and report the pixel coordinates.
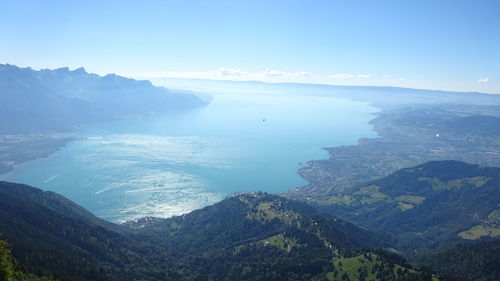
(244, 140)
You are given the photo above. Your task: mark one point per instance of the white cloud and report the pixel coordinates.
(386, 76)
(303, 73)
(344, 76)
(403, 79)
(484, 80)
(230, 71)
(272, 72)
(227, 73)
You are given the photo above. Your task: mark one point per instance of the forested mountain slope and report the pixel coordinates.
(252, 236)
(428, 205)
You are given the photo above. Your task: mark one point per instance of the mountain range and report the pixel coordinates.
(64, 99)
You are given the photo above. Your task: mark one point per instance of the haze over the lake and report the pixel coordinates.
(244, 140)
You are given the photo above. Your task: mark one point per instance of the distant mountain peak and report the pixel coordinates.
(62, 69)
(80, 70)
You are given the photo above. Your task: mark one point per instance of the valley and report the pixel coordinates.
(395, 206)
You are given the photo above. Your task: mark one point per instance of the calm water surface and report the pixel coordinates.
(168, 165)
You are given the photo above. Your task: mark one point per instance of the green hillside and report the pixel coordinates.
(426, 206)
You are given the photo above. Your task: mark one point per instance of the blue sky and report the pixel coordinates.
(451, 45)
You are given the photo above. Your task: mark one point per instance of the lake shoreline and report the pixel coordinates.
(405, 138)
(20, 148)
(166, 165)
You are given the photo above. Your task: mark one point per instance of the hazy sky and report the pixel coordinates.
(433, 44)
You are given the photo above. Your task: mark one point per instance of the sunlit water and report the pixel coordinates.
(169, 165)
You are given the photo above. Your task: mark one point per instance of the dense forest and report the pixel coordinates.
(471, 261)
(11, 270)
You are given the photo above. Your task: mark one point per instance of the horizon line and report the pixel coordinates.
(146, 78)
